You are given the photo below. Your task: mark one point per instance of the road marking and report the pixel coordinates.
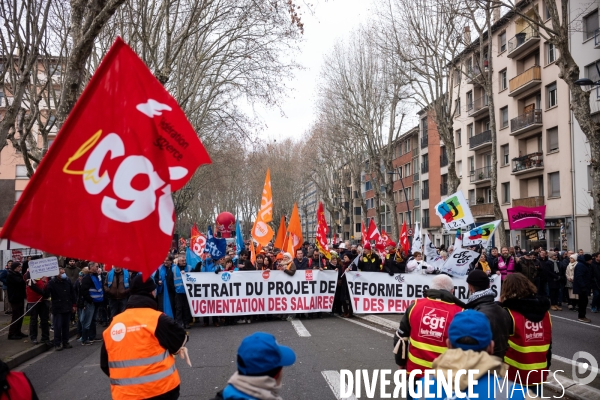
(367, 326)
(333, 380)
(300, 329)
(574, 320)
(576, 364)
(380, 321)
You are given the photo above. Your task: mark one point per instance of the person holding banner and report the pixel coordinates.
(369, 262)
(418, 266)
(62, 296)
(37, 307)
(394, 262)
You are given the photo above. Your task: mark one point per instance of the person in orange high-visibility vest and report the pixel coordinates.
(423, 331)
(137, 353)
(530, 342)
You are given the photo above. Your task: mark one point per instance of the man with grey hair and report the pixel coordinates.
(423, 331)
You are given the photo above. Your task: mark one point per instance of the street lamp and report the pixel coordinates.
(405, 197)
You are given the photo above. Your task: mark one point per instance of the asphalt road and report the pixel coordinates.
(323, 347)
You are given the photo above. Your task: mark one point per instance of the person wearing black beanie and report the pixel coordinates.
(16, 296)
(137, 335)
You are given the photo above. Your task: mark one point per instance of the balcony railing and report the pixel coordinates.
(480, 139)
(425, 194)
(479, 106)
(482, 209)
(443, 160)
(424, 142)
(425, 223)
(425, 168)
(528, 162)
(481, 174)
(528, 201)
(525, 80)
(443, 189)
(416, 176)
(521, 40)
(527, 120)
(473, 71)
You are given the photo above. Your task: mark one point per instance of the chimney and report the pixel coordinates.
(496, 15)
(467, 35)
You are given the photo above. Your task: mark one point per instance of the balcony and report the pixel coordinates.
(425, 194)
(425, 168)
(444, 189)
(528, 201)
(529, 163)
(473, 74)
(526, 122)
(424, 142)
(523, 41)
(481, 140)
(443, 159)
(525, 81)
(597, 39)
(482, 210)
(481, 175)
(479, 107)
(416, 176)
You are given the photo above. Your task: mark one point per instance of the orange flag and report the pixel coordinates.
(295, 229)
(289, 245)
(261, 231)
(252, 252)
(281, 233)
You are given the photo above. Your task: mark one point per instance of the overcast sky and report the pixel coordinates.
(332, 20)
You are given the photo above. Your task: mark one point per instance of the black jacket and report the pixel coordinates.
(301, 264)
(529, 268)
(169, 335)
(369, 263)
(405, 328)
(86, 284)
(15, 287)
(499, 318)
(553, 278)
(62, 295)
(394, 264)
(582, 280)
(595, 275)
(532, 308)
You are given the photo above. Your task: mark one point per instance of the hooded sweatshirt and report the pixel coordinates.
(457, 359)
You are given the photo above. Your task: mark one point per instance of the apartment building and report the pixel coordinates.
(406, 177)
(584, 42)
(533, 125)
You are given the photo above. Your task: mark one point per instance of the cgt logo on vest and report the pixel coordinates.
(117, 333)
(433, 324)
(534, 331)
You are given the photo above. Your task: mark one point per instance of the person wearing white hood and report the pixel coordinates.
(416, 265)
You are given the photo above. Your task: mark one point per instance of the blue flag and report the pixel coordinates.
(239, 239)
(216, 247)
(191, 258)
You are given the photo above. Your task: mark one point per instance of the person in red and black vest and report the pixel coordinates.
(530, 342)
(38, 308)
(423, 331)
(15, 385)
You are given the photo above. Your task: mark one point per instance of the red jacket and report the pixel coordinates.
(33, 297)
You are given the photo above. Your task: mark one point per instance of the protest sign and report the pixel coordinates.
(481, 235)
(454, 211)
(459, 261)
(374, 292)
(43, 267)
(260, 292)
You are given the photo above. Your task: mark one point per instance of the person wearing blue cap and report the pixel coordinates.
(470, 347)
(260, 361)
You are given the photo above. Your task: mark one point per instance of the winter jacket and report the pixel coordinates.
(533, 308)
(3, 275)
(117, 290)
(457, 359)
(86, 285)
(542, 271)
(394, 264)
(241, 387)
(72, 272)
(493, 263)
(369, 263)
(62, 295)
(33, 296)
(301, 264)
(582, 279)
(552, 277)
(529, 268)
(500, 320)
(16, 287)
(595, 275)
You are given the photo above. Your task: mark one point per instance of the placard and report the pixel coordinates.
(43, 267)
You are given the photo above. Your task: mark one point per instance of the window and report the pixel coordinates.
(469, 100)
(457, 76)
(400, 218)
(408, 193)
(426, 218)
(407, 169)
(488, 195)
(506, 193)
(552, 139)
(18, 194)
(503, 79)
(424, 127)
(554, 184)
(357, 227)
(502, 42)
(458, 138)
(55, 69)
(551, 95)
(406, 146)
(546, 12)
(470, 131)
(368, 185)
(457, 106)
(591, 71)
(504, 117)
(471, 197)
(2, 98)
(550, 53)
(504, 154)
(459, 169)
(21, 172)
(50, 141)
(590, 24)
(471, 161)
(589, 178)
(357, 210)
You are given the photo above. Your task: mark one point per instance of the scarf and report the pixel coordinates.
(485, 267)
(480, 294)
(556, 270)
(261, 387)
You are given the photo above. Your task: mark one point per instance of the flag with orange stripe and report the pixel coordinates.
(281, 234)
(295, 230)
(261, 231)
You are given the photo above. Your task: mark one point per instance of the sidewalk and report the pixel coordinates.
(16, 352)
(571, 389)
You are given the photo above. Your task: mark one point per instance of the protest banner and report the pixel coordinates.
(458, 262)
(374, 292)
(525, 217)
(481, 235)
(454, 211)
(43, 267)
(260, 292)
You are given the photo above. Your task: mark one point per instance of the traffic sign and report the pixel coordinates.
(410, 232)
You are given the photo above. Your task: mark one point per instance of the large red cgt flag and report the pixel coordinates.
(103, 190)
